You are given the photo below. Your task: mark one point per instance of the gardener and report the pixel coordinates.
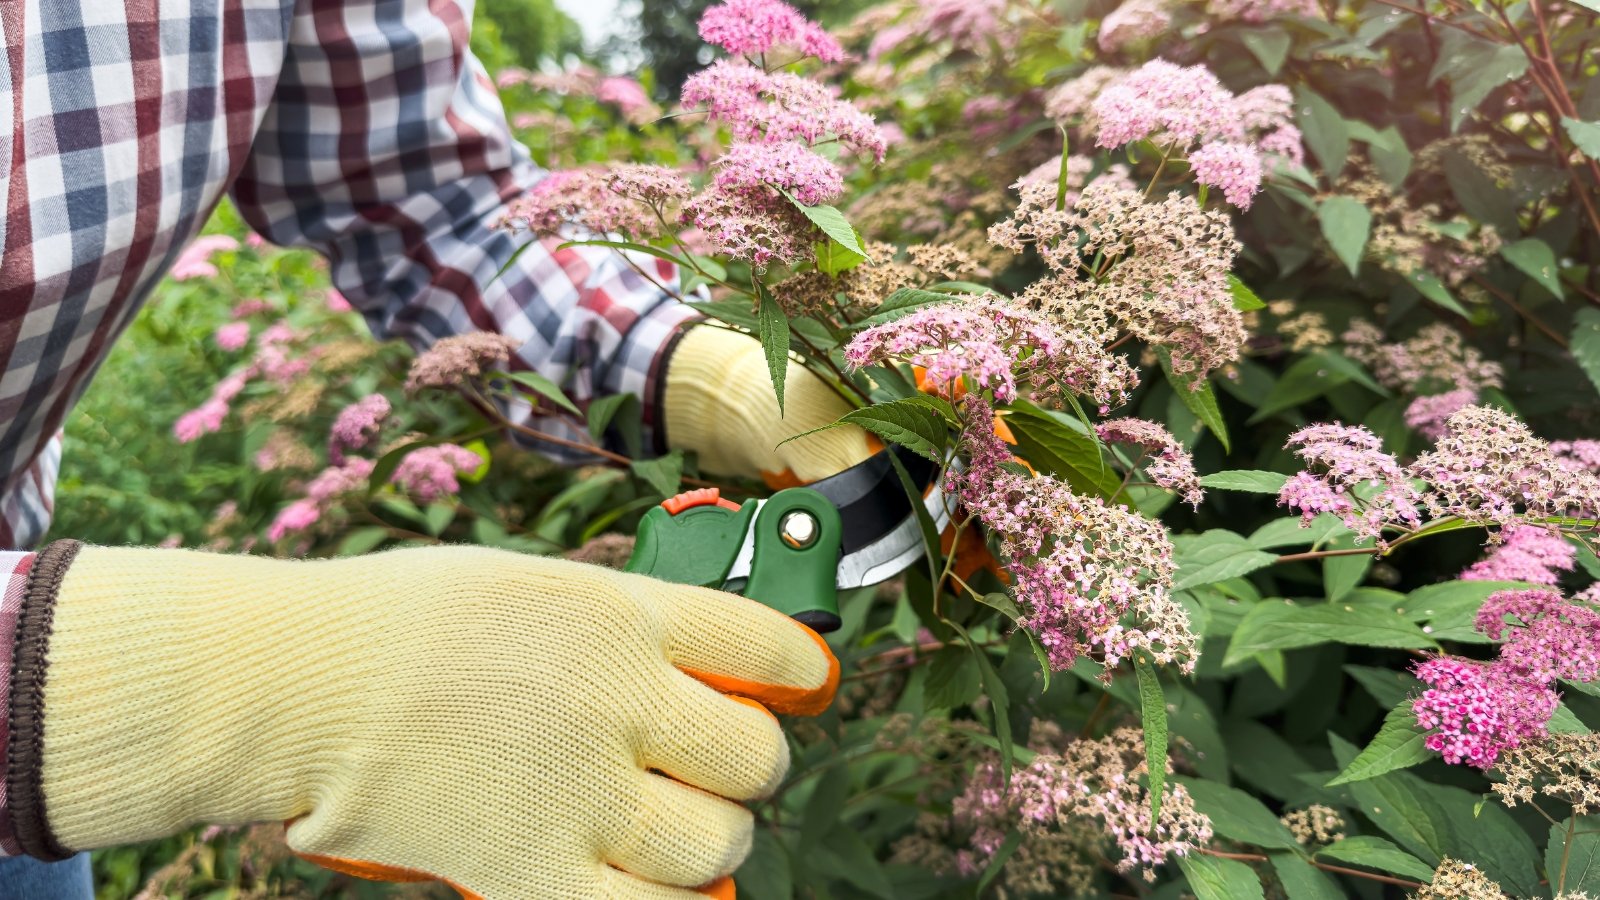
(520, 727)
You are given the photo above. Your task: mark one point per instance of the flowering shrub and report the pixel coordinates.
(1258, 347)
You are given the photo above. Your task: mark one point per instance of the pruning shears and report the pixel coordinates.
(794, 551)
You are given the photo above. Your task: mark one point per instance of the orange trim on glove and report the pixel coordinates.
(783, 698)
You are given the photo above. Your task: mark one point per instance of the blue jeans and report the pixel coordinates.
(26, 878)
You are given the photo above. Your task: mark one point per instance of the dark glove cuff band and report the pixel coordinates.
(25, 749)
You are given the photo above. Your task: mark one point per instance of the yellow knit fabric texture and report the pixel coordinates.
(720, 403)
(494, 719)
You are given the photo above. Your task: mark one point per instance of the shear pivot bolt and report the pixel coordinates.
(798, 529)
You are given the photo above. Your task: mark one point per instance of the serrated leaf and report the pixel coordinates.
(1238, 816)
(542, 386)
(902, 302)
(999, 700)
(1244, 299)
(1400, 804)
(1047, 441)
(834, 257)
(1004, 604)
(1377, 853)
(833, 224)
(1153, 718)
(915, 423)
(621, 412)
(1280, 625)
(1582, 870)
(1536, 260)
(1303, 881)
(773, 329)
(664, 473)
(1586, 342)
(738, 313)
(1199, 399)
(1474, 78)
(1254, 481)
(1346, 223)
(1214, 556)
(1585, 135)
(1292, 532)
(1220, 879)
(953, 679)
(1397, 745)
(1429, 286)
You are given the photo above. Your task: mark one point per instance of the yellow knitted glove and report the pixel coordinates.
(719, 403)
(521, 727)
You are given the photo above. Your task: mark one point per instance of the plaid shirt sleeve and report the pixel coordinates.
(13, 578)
(386, 148)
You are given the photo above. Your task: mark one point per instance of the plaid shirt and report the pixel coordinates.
(362, 128)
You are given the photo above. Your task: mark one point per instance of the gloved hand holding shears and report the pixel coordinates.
(520, 727)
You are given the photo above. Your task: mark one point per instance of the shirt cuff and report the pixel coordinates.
(14, 569)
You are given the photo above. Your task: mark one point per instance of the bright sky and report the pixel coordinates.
(597, 18)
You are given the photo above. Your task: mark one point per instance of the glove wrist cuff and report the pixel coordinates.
(30, 667)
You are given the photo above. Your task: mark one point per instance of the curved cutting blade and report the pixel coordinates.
(881, 533)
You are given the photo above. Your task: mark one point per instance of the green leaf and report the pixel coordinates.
(1244, 299)
(833, 224)
(1003, 603)
(1484, 833)
(999, 699)
(1582, 869)
(439, 516)
(848, 854)
(1390, 687)
(824, 806)
(542, 386)
(1306, 378)
(900, 303)
(1303, 881)
(1585, 135)
(1254, 481)
(774, 334)
(362, 540)
(1474, 77)
(619, 411)
(766, 873)
(1153, 717)
(998, 861)
(664, 474)
(1397, 745)
(1346, 223)
(1281, 625)
(1377, 853)
(1200, 400)
(1451, 608)
(1429, 286)
(735, 312)
(1291, 532)
(1214, 556)
(953, 679)
(1341, 574)
(1536, 260)
(1401, 805)
(1269, 45)
(1326, 133)
(1054, 443)
(1238, 816)
(916, 423)
(834, 257)
(1586, 342)
(1220, 879)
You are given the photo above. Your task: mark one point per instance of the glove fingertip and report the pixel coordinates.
(721, 889)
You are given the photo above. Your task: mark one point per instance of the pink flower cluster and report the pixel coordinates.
(997, 345)
(786, 166)
(1089, 576)
(628, 199)
(774, 107)
(208, 416)
(1475, 710)
(1350, 476)
(356, 425)
(1094, 779)
(1165, 460)
(756, 27)
(1187, 108)
(232, 336)
(1489, 469)
(429, 473)
(329, 485)
(195, 260)
(1427, 415)
(1527, 553)
(1132, 22)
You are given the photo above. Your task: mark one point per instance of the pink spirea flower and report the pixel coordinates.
(1526, 553)
(1581, 455)
(780, 106)
(1263, 10)
(996, 345)
(1349, 474)
(337, 303)
(1286, 143)
(255, 241)
(623, 199)
(1087, 575)
(1186, 104)
(204, 419)
(966, 24)
(356, 425)
(1473, 711)
(244, 309)
(1427, 415)
(755, 27)
(786, 165)
(626, 94)
(1133, 21)
(293, 519)
(1548, 638)
(1233, 168)
(457, 358)
(429, 473)
(195, 260)
(759, 227)
(1165, 460)
(232, 336)
(1490, 469)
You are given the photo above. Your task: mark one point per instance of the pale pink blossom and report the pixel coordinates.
(780, 106)
(1133, 21)
(1473, 711)
(1526, 553)
(195, 260)
(1182, 104)
(756, 27)
(429, 473)
(1349, 474)
(337, 303)
(232, 336)
(786, 166)
(293, 519)
(1233, 168)
(1546, 637)
(1427, 415)
(356, 425)
(458, 358)
(1164, 460)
